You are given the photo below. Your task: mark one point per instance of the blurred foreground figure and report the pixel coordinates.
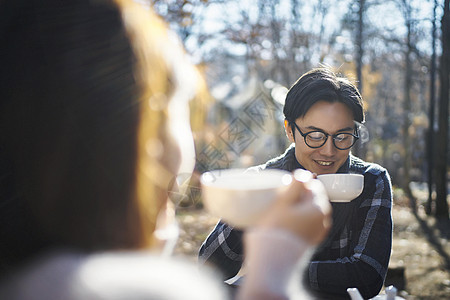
(93, 129)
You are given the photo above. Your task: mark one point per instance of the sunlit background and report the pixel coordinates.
(251, 52)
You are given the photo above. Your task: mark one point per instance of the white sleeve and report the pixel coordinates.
(275, 261)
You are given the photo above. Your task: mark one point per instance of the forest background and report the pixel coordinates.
(396, 51)
(393, 49)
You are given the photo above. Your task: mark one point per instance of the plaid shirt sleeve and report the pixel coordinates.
(359, 256)
(223, 249)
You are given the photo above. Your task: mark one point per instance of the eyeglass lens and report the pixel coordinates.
(316, 139)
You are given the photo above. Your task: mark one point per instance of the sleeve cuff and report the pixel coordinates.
(274, 259)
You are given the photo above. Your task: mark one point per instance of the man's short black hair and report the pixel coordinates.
(322, 84)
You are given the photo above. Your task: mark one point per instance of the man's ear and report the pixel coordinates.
(288, 130)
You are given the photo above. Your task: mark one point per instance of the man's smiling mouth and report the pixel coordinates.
(324, 163)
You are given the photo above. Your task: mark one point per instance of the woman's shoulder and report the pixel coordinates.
(110, 275)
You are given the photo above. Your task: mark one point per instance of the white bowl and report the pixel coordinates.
(342, 187)
(240, 197)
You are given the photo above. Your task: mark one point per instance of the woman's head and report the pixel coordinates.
(88, 93)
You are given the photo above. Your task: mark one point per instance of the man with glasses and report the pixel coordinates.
(323, 116)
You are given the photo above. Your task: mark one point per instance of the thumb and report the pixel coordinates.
(298, 190)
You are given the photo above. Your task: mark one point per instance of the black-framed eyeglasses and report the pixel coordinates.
(316, 139)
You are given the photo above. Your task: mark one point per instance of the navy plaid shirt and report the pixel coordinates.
(357, 250)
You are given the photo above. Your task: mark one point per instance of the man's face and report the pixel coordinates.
(330, 118)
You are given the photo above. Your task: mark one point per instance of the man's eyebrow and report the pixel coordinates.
(313, 128)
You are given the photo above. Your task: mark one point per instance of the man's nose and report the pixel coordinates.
(328, 149)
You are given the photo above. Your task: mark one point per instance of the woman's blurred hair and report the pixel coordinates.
(85, 88)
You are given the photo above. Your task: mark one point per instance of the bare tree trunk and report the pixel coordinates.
(442, 208)
(359, 45)
(293, 72)
(430, 145)
(359, 148)
(407, 108)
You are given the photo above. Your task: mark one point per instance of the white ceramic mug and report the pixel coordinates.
(239, 197)
(342, 187)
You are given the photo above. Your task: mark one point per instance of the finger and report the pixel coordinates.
(303, 193)
(302, 175)
(295, 193)
(300, 185)
(320, 195)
